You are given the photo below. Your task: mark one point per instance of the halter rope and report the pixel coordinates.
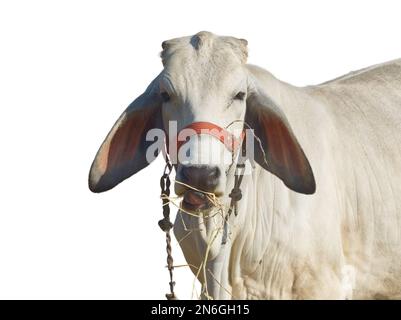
(165, 223)
(232, 144)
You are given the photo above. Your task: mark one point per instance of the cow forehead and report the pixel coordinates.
(204, 56)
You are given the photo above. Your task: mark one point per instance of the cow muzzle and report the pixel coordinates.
(197, 182)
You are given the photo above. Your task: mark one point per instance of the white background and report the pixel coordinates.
(69, 68)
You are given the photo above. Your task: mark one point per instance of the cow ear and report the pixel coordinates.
(123, 152)
(280, 152)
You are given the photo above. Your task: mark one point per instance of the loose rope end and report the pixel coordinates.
(171, 296)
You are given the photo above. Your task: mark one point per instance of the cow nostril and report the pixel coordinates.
(213, 172)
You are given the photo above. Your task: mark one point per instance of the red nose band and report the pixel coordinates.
(228, 139)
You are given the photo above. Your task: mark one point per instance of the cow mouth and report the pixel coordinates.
(195, 200)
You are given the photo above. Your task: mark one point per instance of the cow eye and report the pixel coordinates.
(165, 96)
(240, 96)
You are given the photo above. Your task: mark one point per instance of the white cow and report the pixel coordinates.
(320, 218)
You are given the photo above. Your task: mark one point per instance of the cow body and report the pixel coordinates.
(320, 214)
(342, 242)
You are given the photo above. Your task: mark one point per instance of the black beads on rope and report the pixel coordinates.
(165, 223)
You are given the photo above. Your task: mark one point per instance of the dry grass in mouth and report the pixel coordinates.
(211, 197)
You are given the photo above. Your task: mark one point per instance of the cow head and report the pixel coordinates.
(205, 79)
